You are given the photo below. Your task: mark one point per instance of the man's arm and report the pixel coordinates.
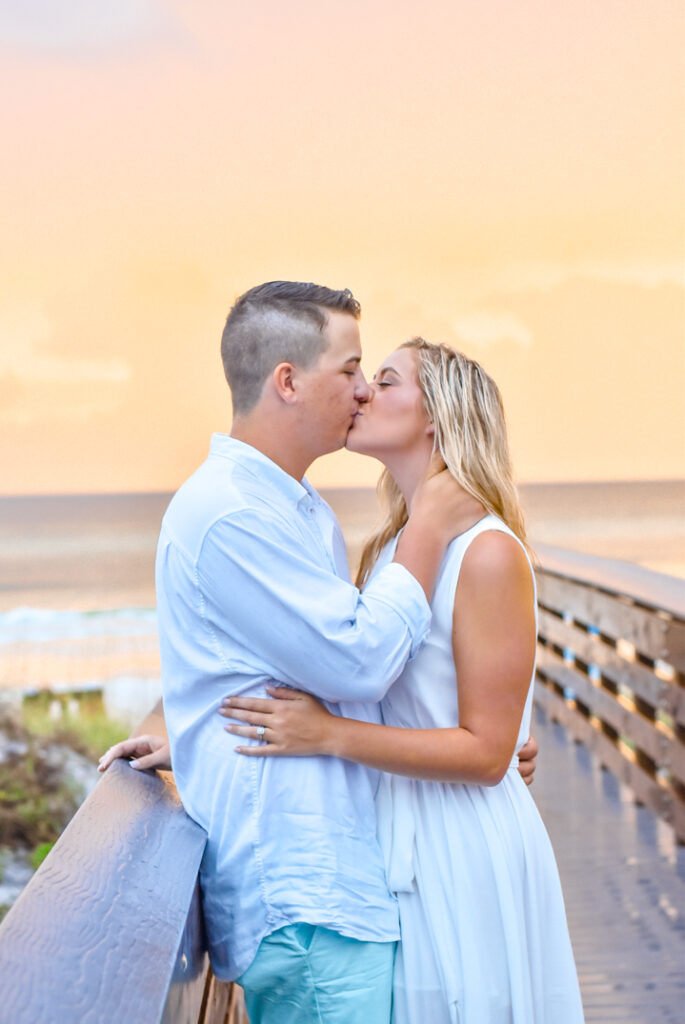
(265, 592)
(494, 652)
(264, 588)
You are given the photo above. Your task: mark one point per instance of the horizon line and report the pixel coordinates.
(347, 487)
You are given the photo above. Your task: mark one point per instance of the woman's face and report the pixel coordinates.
(393, 420)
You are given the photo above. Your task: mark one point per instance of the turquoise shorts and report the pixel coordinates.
(305, 974)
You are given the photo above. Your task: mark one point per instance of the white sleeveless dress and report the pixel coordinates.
(484, 933)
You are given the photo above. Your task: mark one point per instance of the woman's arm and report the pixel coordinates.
(494, 650)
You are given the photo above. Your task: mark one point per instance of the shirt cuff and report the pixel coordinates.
(396, 587)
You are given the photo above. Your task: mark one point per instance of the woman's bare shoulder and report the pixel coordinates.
(494, 555)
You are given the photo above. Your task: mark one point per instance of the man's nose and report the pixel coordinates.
(362, 391)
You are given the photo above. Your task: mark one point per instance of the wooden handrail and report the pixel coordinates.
(611, 668)
(651, 589)
(110, 926)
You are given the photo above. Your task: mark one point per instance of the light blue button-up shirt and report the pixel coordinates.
(253, 588)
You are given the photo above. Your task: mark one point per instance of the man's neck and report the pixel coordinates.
(277, 448)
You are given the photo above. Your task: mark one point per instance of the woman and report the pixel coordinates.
(484, 934)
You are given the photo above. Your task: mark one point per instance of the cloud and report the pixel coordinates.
(23, 335)
(39, 385)
(487, 328)
(544, 276)
(79, 24)
(40, 404)
(644, 275)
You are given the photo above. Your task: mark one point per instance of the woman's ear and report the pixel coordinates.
(430, 430)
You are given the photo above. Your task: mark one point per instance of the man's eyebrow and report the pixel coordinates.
(353, 359)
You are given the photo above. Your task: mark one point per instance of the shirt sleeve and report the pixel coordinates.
(264, 590)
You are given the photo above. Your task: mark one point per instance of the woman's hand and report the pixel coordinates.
(294, 723)
(148, 751)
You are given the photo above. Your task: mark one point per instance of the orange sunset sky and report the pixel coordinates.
(508, 177)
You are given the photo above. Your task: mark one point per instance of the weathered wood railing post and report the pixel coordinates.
(611, 668)
(110, 926)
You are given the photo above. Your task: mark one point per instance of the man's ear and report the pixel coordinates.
(283, 378)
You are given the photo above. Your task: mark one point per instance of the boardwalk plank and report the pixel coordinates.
(624, 884)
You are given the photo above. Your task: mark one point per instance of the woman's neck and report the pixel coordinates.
(408, 472)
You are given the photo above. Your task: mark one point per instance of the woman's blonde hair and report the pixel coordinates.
(465, 407)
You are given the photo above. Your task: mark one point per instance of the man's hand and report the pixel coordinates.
(527, 756)
(439, 511)
(148, 751)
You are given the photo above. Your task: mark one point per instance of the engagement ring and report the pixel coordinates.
(260, 732)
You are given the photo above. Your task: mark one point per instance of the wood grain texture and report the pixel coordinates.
(96, 935)
(608, 707)
(153, 722)
(186, 997)
(645, 789)
(623, 883)
(607, 631)
(651, 589)
(591, 649)
(223, 1003)
(615, 616)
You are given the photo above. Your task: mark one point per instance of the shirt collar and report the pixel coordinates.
(260, 466)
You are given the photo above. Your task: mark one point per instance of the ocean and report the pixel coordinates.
(77, 572)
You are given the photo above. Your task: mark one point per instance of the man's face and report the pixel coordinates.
(333, 389)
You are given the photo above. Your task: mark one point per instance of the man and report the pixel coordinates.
(253, 588)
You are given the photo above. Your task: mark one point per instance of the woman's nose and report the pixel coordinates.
(362, 391)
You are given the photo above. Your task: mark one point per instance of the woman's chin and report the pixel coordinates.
(355, 443)
(359, 448)
(360, 440)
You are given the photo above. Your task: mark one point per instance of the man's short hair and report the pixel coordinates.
(277, 322)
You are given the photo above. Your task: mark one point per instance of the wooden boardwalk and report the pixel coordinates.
(624, 885)
(611, 669)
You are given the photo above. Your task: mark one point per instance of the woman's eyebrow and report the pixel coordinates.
(386, 369)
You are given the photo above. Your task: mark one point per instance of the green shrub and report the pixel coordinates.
(40, 853)
(90, 732)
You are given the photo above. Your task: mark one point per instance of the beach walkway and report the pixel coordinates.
(610, 674)
(624, 885)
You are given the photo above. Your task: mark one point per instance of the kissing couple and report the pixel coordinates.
(374, 852)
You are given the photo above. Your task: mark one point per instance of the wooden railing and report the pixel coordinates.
(110, 927)
(611, 668)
